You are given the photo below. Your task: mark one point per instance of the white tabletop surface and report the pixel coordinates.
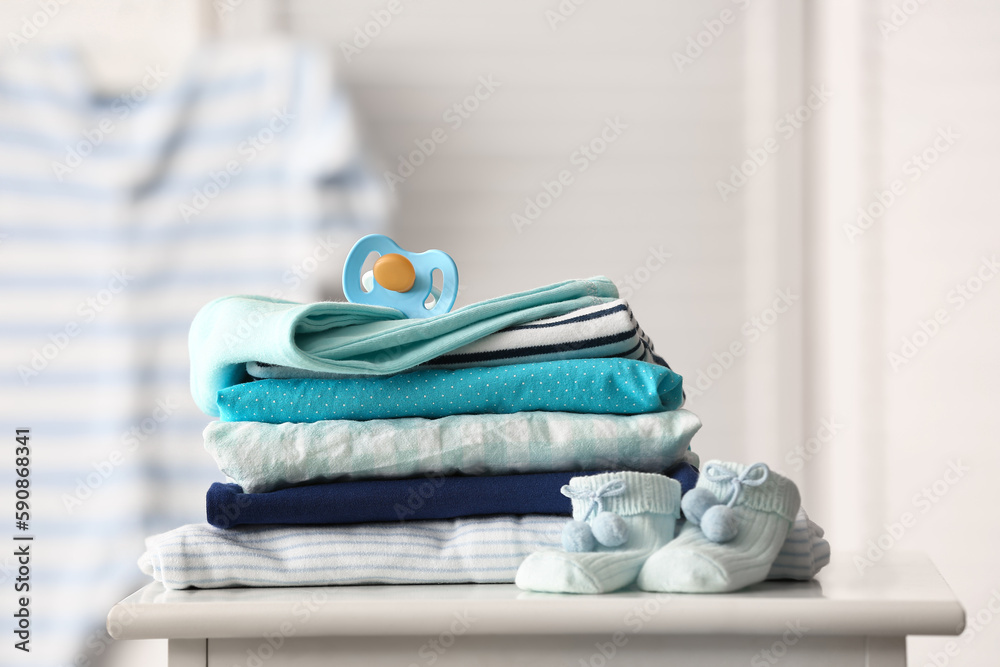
(903, 594)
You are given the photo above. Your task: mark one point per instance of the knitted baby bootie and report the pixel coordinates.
(645, 511)
(730, 545)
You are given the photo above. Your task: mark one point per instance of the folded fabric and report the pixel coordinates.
(483, 550)
(263, 457)
(423, 498)
(592, 386)
(804, 552)
(685, 473)
(352, 338)
(606, 330)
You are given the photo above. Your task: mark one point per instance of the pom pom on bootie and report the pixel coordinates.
(606, 528)
(696, 502)
(720, 524)
(577, 536)
(609, 529)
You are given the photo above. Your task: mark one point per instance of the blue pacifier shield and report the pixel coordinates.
(410, 302)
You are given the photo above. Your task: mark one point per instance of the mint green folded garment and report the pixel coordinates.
(264, 457)
(599, 386)
(352, 338)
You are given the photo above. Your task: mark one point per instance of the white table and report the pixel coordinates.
(842, 618)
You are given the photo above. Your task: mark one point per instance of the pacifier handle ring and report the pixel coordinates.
(449, 293)
(355, 261)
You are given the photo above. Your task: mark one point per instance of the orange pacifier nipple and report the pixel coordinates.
(394, 272)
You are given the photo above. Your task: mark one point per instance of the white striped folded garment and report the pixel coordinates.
(804, 552)
(484, 550)
(475, 550)
(594, 332)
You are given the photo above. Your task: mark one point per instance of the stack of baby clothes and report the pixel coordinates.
(364, 447)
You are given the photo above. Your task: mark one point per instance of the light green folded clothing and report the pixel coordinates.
(263, 457)
(352, 338)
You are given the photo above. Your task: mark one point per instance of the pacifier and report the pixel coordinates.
(400, 279)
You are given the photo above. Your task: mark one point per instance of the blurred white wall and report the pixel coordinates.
(900, 243)
(119, 37)
(940, 291)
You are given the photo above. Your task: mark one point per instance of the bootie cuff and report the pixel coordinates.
(643, 492)
(776, 494)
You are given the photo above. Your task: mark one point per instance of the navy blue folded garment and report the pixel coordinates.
(686, 474)
(402, 499)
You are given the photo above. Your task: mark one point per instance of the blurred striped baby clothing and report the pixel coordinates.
(120, 217)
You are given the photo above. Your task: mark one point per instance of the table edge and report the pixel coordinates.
(507, 617)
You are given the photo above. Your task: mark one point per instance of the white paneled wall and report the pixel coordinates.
(904, 359)
(942, 69)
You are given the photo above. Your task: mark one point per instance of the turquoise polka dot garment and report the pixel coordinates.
(595, 386)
